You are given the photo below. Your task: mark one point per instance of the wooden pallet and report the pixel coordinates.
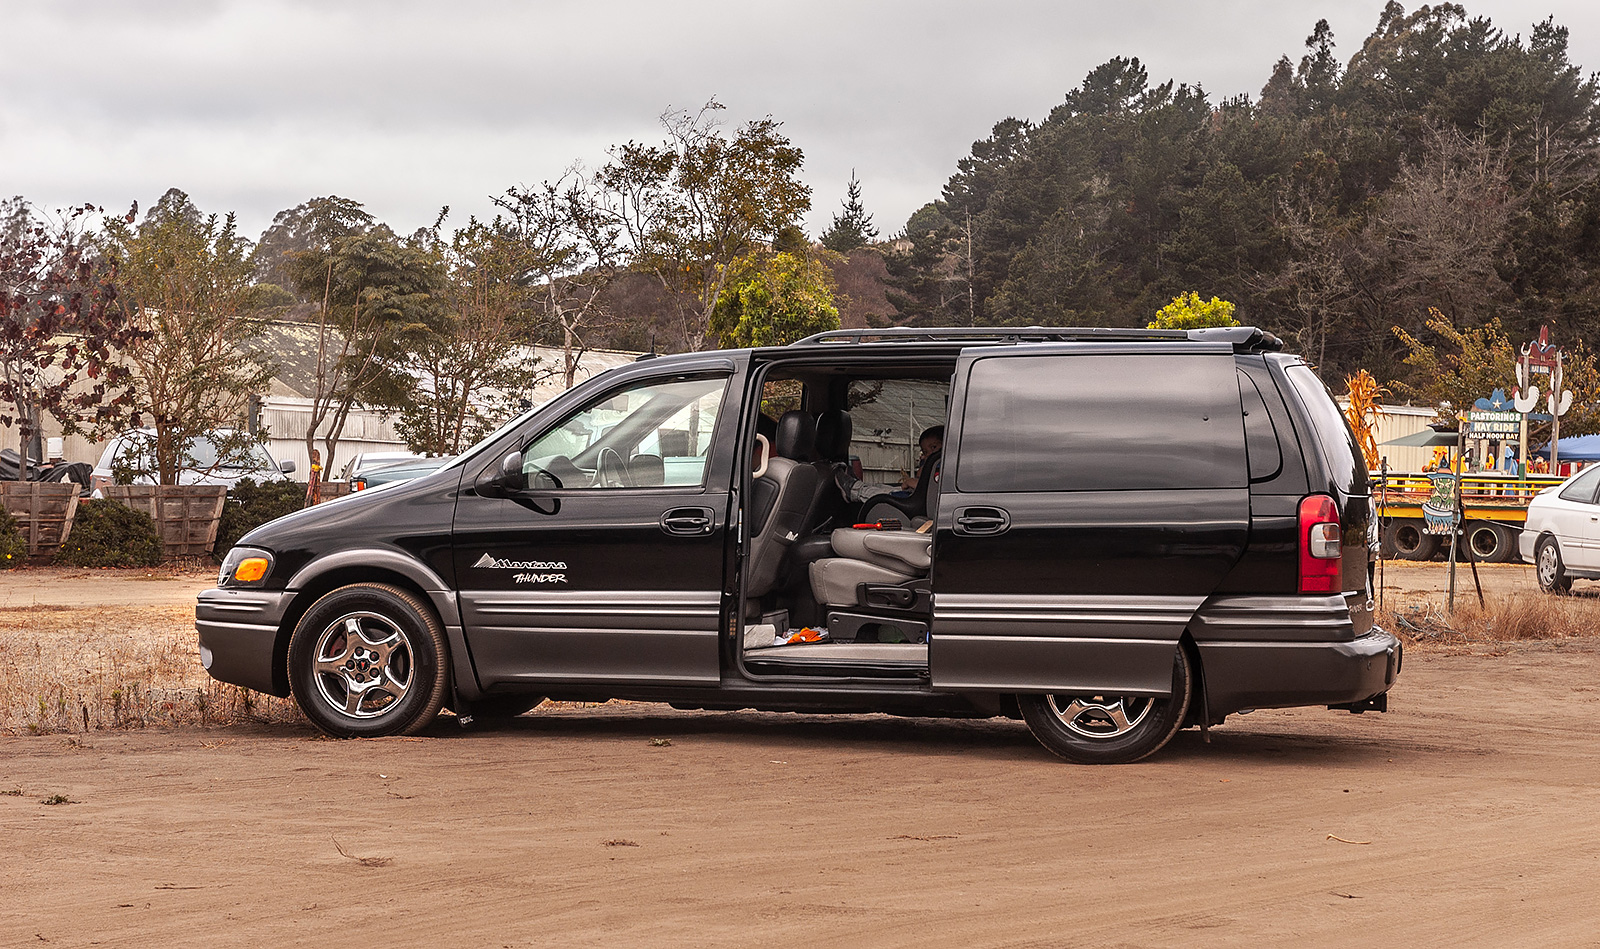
(44, 511)
(186, 515)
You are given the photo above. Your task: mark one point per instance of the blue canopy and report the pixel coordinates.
(1576, 448)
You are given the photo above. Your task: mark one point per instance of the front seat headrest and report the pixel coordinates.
(797, 435)
(833, 435)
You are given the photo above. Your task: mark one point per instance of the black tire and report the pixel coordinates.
(1549, 568)
(1086, 728)
(1490, 543)
(499, 708)
(1404, 536)
(369, 660)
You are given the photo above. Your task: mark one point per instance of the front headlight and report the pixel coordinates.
(245, 567)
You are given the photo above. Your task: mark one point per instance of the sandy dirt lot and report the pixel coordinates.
(1468, 816)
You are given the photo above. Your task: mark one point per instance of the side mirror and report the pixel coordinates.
(511, 477)
(287, 466)
(502, 480)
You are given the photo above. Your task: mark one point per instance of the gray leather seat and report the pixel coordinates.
(869, 557)
(782, 497)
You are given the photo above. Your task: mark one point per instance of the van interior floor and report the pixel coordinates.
(889, 660)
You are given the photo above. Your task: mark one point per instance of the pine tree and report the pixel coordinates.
(853, 228)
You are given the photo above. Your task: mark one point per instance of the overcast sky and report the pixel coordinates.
(254, 107)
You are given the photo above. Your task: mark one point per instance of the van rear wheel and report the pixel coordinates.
(1110, 729)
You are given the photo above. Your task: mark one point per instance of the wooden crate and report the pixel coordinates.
(186, 515)
(334, 489)
(44, 511)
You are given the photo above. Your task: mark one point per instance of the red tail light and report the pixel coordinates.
(1320, 543)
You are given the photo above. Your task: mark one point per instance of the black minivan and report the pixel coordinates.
(1120, 533)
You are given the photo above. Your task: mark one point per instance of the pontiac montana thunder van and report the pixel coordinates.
(1126, 532)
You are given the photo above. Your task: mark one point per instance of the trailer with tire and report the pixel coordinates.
(1493, 508)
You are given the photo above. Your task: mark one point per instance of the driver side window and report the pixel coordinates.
(651, 434)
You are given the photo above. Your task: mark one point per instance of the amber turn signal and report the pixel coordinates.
(250, 569)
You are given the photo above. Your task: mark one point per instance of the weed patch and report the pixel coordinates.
(75, 671)
(1501, 619)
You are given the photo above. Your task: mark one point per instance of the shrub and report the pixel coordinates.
(13, 546)
(250, 505)
(110, 534)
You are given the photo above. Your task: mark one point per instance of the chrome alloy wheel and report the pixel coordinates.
(363, 665)
(1548, 565)
(1097, 717)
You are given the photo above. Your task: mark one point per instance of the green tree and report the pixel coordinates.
(691, 206)
(774, 299)
(1470, 363)
(568, 244)
(186, 279)
(851, 228)
(309, 226)
(373, 290)
(471, 362)
(1188, 312)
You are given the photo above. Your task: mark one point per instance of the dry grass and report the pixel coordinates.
(76, 670)
(1501, 619)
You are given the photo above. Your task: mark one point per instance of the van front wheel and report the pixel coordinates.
(368, 660)
(1110, 729)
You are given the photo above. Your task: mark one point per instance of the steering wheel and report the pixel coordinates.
(610, 471)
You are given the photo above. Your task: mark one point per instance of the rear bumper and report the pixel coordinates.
(1526, 541)
(239, 637)
(1251, 675)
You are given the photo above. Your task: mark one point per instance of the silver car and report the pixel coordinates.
(131, 452)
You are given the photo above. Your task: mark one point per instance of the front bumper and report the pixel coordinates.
(239, 637)
(1250, 675)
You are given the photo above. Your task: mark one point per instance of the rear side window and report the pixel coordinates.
(1339, 451)
(1101, 423)
(1582, 487)
(1260, 435)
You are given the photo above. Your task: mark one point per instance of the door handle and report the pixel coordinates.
(982, 520)
(688, 521)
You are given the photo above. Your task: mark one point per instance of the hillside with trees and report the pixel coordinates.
(1444, 165)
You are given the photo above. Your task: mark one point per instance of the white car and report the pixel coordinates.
(1562, 536)
(131, 450)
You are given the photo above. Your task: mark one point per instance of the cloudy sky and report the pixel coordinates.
(407, 106)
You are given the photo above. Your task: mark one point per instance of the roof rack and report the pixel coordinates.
(1242, 338)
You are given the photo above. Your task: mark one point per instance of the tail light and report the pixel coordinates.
(1320, 543)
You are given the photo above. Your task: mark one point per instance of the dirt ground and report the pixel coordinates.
(1465, 816)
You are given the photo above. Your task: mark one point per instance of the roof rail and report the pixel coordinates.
(1242, 338)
